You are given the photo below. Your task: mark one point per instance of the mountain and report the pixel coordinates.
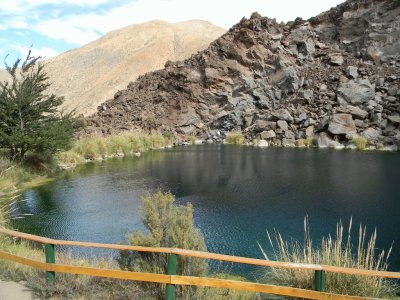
(333, 78)
(89, 75)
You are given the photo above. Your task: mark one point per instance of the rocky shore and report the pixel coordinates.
(331, 79)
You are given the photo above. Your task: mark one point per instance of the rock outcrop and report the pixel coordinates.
(335, 76)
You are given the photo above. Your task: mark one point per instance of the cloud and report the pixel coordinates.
(67, 31)
(83, 28)
(44, 52)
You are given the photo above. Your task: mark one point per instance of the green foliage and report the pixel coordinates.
(29, 120)
(360, 142)
(235, 138)
(167, 225)
(334, 251)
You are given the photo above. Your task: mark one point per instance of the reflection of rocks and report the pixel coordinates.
(335, 76)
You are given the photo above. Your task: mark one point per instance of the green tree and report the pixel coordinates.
(30, 119)
(167, 225)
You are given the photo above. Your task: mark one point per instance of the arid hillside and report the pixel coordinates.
(89, 75)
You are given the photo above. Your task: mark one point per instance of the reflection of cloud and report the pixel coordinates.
(44, 52)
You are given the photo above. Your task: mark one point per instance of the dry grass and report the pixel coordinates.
(335, 251)
(98, 148)
(11, 175)
(235, 138)
(360, 142)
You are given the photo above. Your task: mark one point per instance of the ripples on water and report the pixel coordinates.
(237, 192)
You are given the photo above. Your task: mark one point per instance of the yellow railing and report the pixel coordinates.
(171, 279)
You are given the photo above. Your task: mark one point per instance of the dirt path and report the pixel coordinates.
(14, 291)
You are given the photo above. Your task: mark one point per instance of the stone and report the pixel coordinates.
(355, 92)
(394, 119)
(323, 124)
(261, 125)
(342, 124)
(323, 88)
(335, 59)
(282, 124)
(268, 134)
(372, 134)
(290, 135)
(288, 142)
(282, 114)
(352, 72)
(310, 131)
(355, 111)
(390, 148)
(262, 144)
(308, 95)
(309, 122)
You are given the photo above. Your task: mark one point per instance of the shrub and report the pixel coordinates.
(309, 141)
(192, 139)
(235, 138)
(300, 143)
(360, 142)
(31, 121)
(334, 251)
(167, 225)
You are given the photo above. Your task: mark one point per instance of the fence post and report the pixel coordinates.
(50, 259)
(320, 282)
(171, 270)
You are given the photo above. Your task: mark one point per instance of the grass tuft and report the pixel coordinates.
(335, 251)
(360, 142)
(235, 138)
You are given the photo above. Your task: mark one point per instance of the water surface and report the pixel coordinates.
(237, 192)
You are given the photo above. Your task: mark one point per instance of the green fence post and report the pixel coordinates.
(50, 259)
(320, 281)
(171, 270)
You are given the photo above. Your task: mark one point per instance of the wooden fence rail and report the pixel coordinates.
(171, 279)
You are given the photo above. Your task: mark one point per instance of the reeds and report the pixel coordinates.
(335, 251)
(98, 148)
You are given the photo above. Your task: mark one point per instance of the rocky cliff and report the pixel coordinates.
(333, 77)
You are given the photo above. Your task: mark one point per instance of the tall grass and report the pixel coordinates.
(360, 142)
(11, 174)
(97, 148)
(235, 138)
(336, 251)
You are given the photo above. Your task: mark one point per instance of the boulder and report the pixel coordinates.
(282, 124)
(356, 92)
(342, 124)
(310, 131)
(261, 125)
(308, 95)
(355, 111)
(268, 134)
(372, 134)
(282, 114)
(262, 143)
(335, 59)
(352, 72)
(394, 119)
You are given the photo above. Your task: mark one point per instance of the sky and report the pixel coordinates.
(51, 27)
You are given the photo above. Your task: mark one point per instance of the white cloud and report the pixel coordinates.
(67, 31)
(81, 29)
(44, 52)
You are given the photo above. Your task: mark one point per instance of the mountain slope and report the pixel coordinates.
(333, 77)
(91, 74)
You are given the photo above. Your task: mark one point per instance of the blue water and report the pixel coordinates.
(237, 193)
